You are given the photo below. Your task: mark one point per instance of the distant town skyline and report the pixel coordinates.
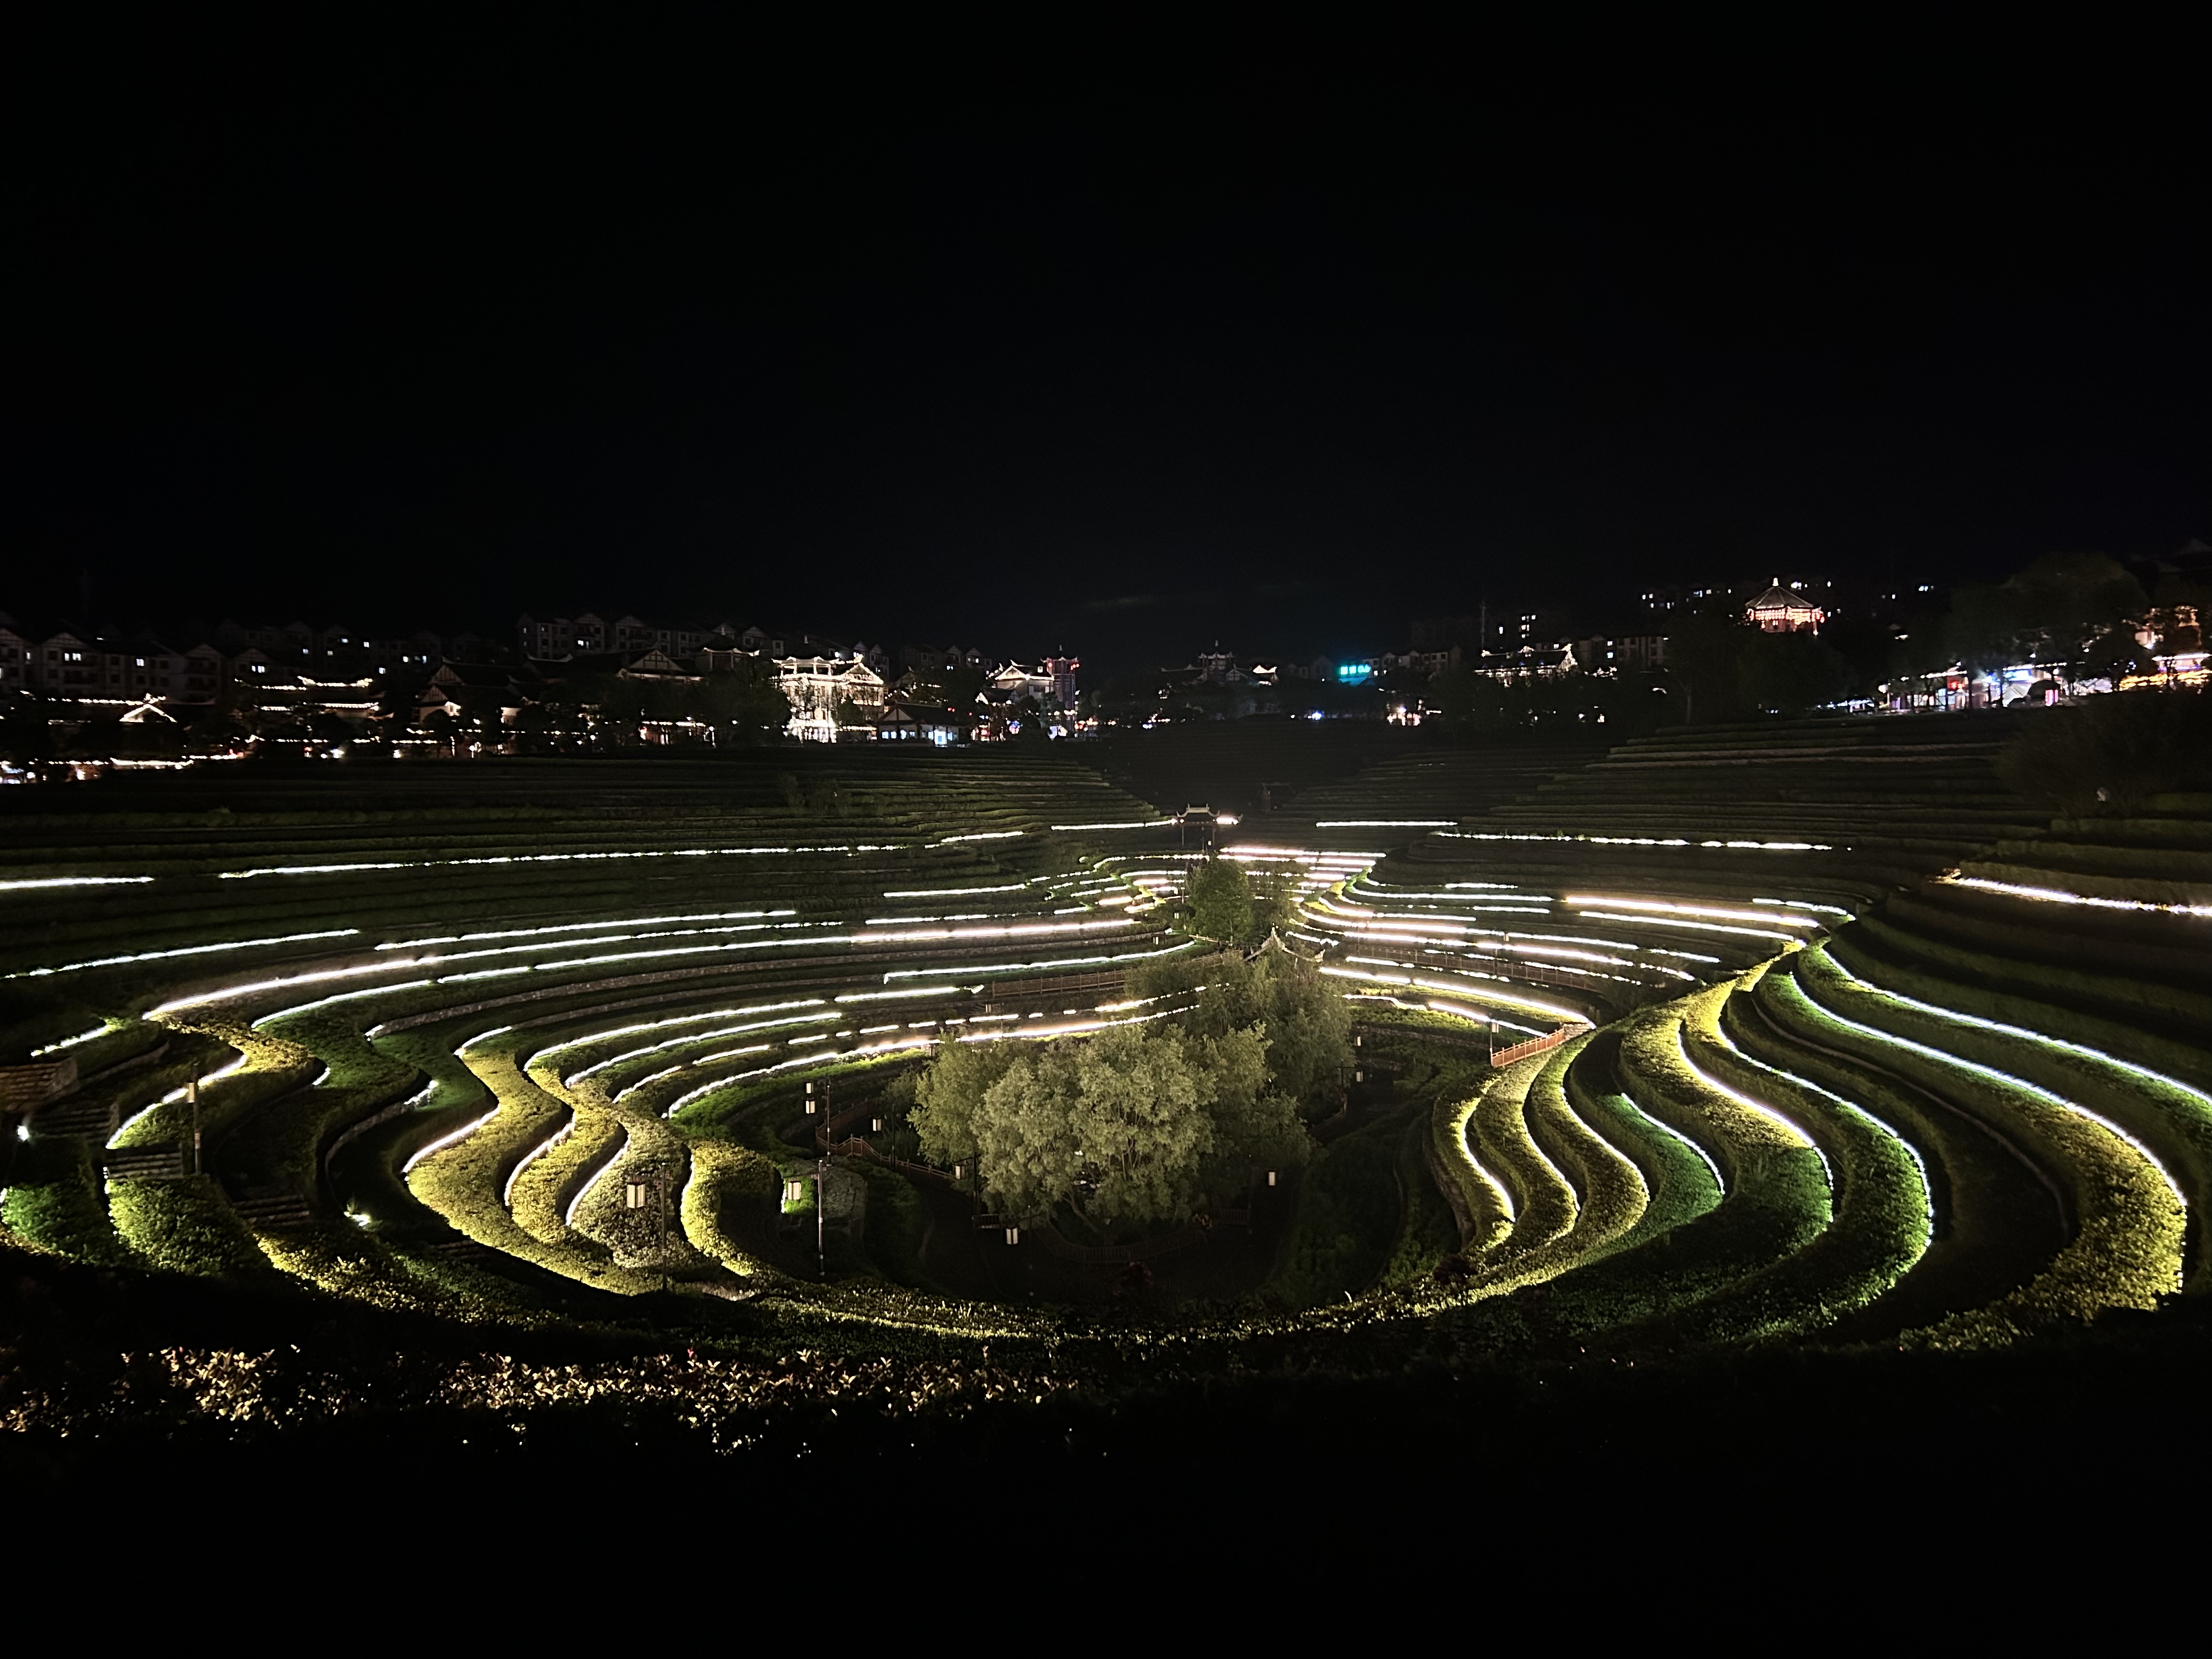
(1285, 337)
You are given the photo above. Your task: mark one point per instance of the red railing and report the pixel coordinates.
(1543, 1044)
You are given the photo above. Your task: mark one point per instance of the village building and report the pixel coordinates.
(15, 660)
(817, 687)
(1782, 610)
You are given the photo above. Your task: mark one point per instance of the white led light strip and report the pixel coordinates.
(72, 881)
(2060, 896)
(541, 857)
(183, 950)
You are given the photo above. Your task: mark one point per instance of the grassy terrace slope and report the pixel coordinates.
(1808, 1032)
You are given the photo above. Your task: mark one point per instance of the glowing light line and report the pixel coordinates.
(1031, 967)
(1664, 1127)
(1675, 908)
(1646, 841)
(182, 950)
(545, 858)
(679, 1042)
(175, 1094)
(506, 1192)
(615, 1031)
(954, 892)
(2060, 896)
(2096, 1056)
(444, 1142)
(1758, 1108)
(1990, 1074)
(1509, 998)
(1690, 927)
(72, 881)
(574, 927)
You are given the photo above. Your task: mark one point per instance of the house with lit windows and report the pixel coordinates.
(15, 659)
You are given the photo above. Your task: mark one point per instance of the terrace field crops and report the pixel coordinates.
(1810, 1034)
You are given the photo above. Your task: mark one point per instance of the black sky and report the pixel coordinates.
(1095, 336)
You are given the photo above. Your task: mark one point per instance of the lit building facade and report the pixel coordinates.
(1782, 610)
(816, 687)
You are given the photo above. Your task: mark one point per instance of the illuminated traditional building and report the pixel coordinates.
(816, 687)
(655, 665)
(1528, 663)
(1784, 610)
(1012, 682)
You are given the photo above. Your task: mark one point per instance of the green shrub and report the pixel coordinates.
(1346, 1223)
(723, 1174)
(52, 1202)
(186, 1225)
(463, 1181)
(1544, 1204)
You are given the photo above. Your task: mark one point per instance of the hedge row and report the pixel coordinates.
(2126, 1250)
(272, 1067)
(724, 1175)
(1882, 1219)
(1544, 1205)
(1612, 1193)
(2168, 1116)
(1680, 1186)
(2018, 992)
(463, 1181)
(1479, 1204)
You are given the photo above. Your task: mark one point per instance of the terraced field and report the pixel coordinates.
(1805, 1033)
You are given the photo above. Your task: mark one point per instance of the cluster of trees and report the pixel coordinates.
(2078, 608)
(2111, 755)
(1142, 1124)
(741, 705)
(1231, 905)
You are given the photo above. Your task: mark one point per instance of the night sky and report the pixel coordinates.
(1090, 338)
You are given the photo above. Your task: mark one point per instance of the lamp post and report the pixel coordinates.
(193, 1095)
(651, 1191)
